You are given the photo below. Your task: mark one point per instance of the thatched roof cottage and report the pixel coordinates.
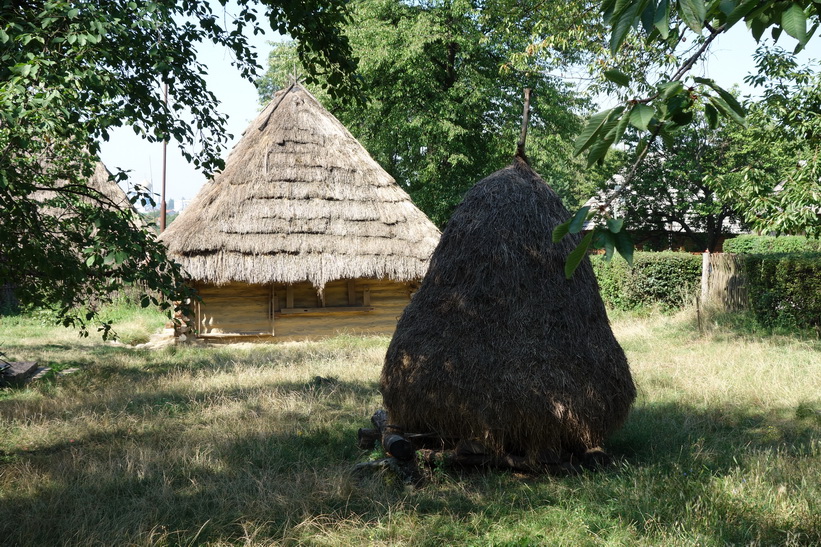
(497, 348)
(302, 234)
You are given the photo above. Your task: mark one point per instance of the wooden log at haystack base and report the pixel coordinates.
(497, 346)
(393, 441)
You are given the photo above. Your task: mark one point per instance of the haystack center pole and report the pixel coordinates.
(164, 163)
(520, 148)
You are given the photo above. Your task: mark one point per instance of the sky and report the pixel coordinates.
(730, 59)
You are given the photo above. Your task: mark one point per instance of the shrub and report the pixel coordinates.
(785, 290)
(665, 279)
(752, 244)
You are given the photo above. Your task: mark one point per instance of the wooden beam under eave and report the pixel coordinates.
(351, 292)
(271, 309)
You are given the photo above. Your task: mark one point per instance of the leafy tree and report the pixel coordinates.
(673, 101)
(671, 188)
(72, 70)
(444, 86)
(783, 196)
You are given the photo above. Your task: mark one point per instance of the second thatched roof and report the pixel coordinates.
(301, 200)
(103, 190)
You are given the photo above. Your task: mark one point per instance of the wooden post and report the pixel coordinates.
(351, 292)
(289, 296)
(198, 317)
(366, 296)
(705, 277)
(520, 147)
(272, 306)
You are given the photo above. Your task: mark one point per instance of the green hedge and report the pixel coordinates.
(751, 244)
(785, 290)
(665, 279)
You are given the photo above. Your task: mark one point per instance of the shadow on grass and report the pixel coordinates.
(716, 476)
(110, 362)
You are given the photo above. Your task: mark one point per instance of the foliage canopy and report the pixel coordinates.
(72, 71)
(442, 83)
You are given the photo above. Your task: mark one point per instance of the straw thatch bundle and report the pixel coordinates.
(301, 200)
(497, 346)
(104, 191)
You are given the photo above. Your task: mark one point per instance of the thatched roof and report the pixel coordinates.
(301, 200)
(105, 192)
(100, 181)
(496, 345)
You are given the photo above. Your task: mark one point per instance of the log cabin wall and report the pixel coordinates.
(235, 308)
(297, 311)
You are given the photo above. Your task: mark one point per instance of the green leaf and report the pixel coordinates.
(711, 114)
(588, 134)
(560, 231)
(576, 255)
(624, 245)
(648, 15)
(727, 97)
(693, 13)
(726, 6)
(605, 136)
(662, 19)
(598, 151)
(757, 27)
(578, 220)
(794, 23)
(607, 9)
(722, 106)
(614, 225)
(90, 260)
(641, 115)
(668, 89)
(667, 135)
(21, 69)
(72, 13)
(618, 131)
(617, 77)
(740, 12)
(609, 245)
(622, 24)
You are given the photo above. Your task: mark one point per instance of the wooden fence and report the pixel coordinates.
(723, 282)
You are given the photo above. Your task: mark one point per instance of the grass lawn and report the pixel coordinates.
(245, 445)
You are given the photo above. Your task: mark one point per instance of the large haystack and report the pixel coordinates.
(497, 346)
(302, 221)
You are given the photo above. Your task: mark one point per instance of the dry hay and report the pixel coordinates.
(497, 346)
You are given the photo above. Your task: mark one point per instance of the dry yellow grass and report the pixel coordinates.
(253, 445)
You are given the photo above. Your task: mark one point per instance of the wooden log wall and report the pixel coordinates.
(297, 311)
(235, 308)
